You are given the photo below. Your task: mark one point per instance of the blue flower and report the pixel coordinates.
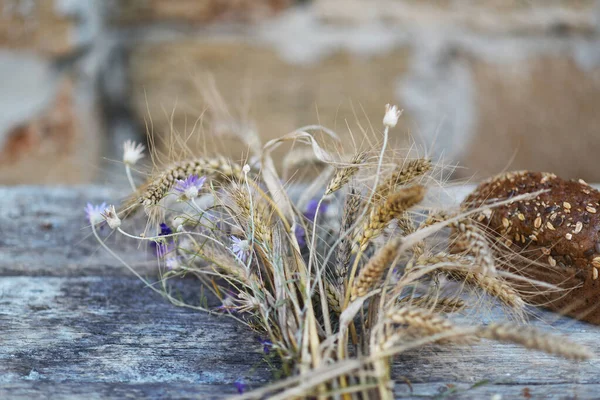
(94, 213)
(168, 253)
(300, 234)
(311, 209)
(189, 187)
(241, 248)
(240, 386)
(267, 344)
(164, 230)
(309, 213)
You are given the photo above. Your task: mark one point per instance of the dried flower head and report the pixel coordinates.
(392, 114)
(111, 217)
(94, 213)
(189, 188)
(132, 152)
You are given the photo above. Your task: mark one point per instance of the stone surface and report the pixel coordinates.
(36, 25)
(539, 114)
(279, 96)
(487, 17)
(57, 144)
(132, 12)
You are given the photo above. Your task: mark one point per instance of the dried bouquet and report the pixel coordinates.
(338, 276)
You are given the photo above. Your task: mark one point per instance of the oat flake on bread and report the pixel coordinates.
(558, 231)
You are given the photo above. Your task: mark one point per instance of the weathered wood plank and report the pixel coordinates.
(43, 231)
(115, 330)
(458, 390)
(95, 330)
(73, 322)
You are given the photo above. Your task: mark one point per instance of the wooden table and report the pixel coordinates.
(76, 324)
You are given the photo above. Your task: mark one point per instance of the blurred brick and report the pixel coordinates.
(486, 16)
(132, 12)
(55, 146)
(282, 97)
(36, 25)
(543, 110)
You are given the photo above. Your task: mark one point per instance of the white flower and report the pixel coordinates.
(246, 169)
(391, 116)
(132, 152)
(178, 223)
(190, 187)
(111, 217)
(241, 248)
(94, 213)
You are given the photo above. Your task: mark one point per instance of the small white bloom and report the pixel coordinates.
(178, 223)
(94, 213)
(132, 152)
(190, 187)
(173, 262)
(391, 116)
(246, 169)
(241, 248)
(111, 217)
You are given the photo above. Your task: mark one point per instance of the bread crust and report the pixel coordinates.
(558, 229)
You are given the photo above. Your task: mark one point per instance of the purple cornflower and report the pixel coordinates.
(189, 187)
(311, 209)
(267, 344)
(168, 253)
(300, 234)
(164, 230)
(240, 385)
(94, 213)
(309, 213)
(241, 248)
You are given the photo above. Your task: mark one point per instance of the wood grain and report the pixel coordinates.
(73, 324)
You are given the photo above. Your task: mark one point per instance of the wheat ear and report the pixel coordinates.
(477, 246)
(344, 249)
(385, 211)
(372, 273)
(343, 175)
(424, 320)
(155, 189)
(533, 339)
(440, 305)
(402, 175)
(492, 285)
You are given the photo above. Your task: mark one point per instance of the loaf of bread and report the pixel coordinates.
(558, 231)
